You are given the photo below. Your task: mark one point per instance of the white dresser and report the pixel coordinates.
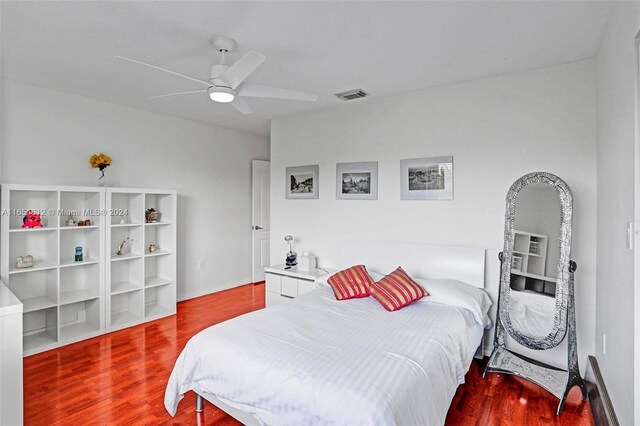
(284, 284)
(10, 358)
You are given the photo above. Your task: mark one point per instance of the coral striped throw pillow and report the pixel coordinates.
(396, 290)
(351, 283)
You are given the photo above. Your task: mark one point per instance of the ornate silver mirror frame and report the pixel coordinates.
(557, 334)
(503, 360)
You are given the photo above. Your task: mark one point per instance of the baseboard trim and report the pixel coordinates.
(192, 295)
(601, 406)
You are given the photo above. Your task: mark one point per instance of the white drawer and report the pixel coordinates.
(305, 287)
(289, 287)
(273, 299)
(272, 283)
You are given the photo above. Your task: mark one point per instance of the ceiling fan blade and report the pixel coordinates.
(179, 93)
(259, 91)
(242, 68)
(206, 83)
(242, 106)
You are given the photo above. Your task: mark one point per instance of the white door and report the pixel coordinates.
(260, 216)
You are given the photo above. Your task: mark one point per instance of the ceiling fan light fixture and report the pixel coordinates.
(222, 94)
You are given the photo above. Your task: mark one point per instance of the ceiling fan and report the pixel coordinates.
(226, 82)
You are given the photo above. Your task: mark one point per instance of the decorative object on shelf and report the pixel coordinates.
(151, 215)
(122, 246)
(291, 259)
(31, 220)
(87, 222)
(357, 181)
(24, 261)
(71, 221)
(122, 220)
(301, 182)
(152, 248)
(516, 263)
(426, 178)
(100, 161)
(82, 223)
(537, 200)
(307, 262)
(79, 257)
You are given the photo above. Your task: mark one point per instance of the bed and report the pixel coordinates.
(532, 313)
(317, 360)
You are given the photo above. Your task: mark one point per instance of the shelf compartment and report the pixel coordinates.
(43, 202)
(162, 203)
(126, 276)
(37, 266)
(157, 253)
(74, 296)
(161, 237)
(27, 230)
(38, 290)
(89, 240)
(33, 304)
(79, 320)
(155, 281)
(131, 204)
(78, 228)
(79, 284)
(65, 263)
(126, 309)
(127, 256)
(159, 301)
(133, 247)
(157, 270)
(81, 205)
(43, 246)
(40, 329)
(124, 287)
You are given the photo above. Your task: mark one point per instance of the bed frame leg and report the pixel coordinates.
(199, 404)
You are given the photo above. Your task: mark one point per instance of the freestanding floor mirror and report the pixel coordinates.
(536, 304)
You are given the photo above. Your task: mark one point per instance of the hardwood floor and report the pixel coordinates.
(120, 378)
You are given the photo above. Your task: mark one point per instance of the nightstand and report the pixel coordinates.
(286, 284)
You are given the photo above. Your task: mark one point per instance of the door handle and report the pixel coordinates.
(257, 228)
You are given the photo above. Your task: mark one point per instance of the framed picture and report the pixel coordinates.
(301, 182)
(426, 178)
(357, 181)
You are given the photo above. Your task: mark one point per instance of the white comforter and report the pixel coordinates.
(316, 360)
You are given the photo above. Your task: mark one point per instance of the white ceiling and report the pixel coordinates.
(318, 47)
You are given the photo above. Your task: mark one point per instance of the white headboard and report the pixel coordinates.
(419, 260)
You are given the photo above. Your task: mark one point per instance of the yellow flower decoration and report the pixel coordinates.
(100, 161)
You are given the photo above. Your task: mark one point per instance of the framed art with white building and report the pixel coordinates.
(357, 181)
(426, 178)
(301, 182)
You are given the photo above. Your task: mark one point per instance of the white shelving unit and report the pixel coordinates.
(65, 300)
(62, 298)
(141, 284)
(529, 263)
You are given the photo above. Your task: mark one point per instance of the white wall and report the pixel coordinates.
(48, 136)
(497, 129)
(616, 63)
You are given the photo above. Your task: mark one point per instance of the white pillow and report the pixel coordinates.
(459, 294)
(321, 281)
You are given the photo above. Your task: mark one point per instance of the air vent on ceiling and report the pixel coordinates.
(350, 95)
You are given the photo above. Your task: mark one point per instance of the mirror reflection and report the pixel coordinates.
(535, 259)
